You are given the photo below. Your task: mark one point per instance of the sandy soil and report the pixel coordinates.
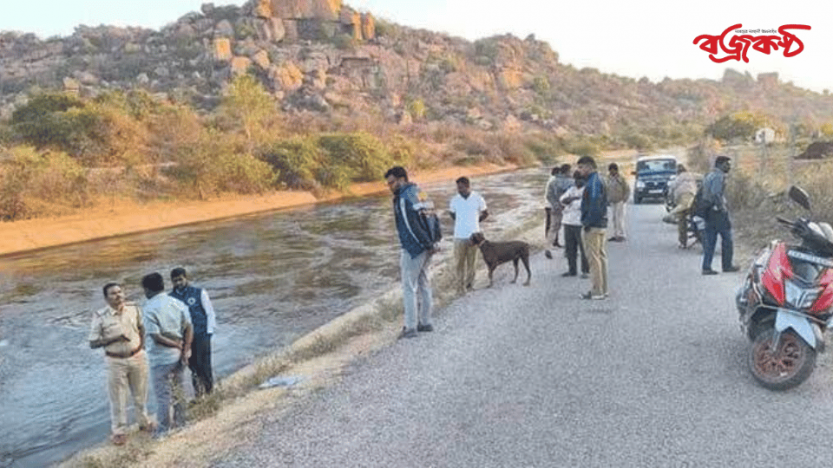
(129, 218)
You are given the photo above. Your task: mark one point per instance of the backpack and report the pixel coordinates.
(699, 206)
(431, 222)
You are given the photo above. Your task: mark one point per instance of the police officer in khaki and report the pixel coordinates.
(118, 328)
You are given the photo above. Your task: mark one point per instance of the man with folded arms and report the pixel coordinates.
(119, 329)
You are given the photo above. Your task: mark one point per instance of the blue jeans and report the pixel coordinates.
(167, 384)
(717, 222)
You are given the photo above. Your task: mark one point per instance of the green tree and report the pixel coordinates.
(739, 125)
(42, 121)
(295, 159)
(247, 107)
(360, 155)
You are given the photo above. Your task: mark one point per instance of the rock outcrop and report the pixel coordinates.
(306, 9)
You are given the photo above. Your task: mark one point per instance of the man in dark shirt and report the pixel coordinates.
(594, 227)
(717, 217)
(204, 321)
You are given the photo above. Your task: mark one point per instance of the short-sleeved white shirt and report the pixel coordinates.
(467, 214)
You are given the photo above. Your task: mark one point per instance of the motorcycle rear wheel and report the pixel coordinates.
(788, 367)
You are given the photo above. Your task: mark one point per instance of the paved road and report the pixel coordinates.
(535, 377)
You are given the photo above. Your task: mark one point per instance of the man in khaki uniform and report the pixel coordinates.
(119, 329)
(683, 189)
(618, 191)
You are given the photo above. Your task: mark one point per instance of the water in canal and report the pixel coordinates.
(272, 278)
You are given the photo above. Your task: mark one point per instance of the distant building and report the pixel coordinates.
(765, 135)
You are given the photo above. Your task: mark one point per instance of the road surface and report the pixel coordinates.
(654, 376)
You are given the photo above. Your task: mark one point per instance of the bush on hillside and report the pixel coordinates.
(296, 161)
(360, 155)
(34, 183)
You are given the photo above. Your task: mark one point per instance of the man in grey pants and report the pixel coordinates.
(168, 325)
(417, 249)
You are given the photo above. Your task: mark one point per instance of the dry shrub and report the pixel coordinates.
(512, 149)
(36, 184)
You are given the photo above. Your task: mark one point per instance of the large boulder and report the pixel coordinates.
(368, 26)
(261, 59)
(222, 49)
(240, 65)
(263, 9)
(224, 29)
(352, 22)
(286, 77)
(270, 30)
(291, 30)
(306, 9)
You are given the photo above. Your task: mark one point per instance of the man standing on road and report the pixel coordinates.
(683, 189)
(467, 209)
(118, 328)
(169, 328)
(417, 249)
(717, 217)
(204, 321)
(594, 225)
(559, 185)
(548, 204)
(618, 191)
(572, 228)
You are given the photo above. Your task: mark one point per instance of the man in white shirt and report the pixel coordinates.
(571, 199)
(468, 209)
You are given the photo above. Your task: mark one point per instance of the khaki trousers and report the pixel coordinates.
(465, 254)
(617, 212)
(123, 375)
(595, 245)
(681, 211)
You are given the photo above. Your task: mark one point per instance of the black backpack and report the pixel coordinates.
(431, 222)
(700, 207)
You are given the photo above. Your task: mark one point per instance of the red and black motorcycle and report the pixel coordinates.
(786, 302)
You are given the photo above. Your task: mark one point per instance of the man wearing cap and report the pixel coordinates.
(717, 217)
(119, 329)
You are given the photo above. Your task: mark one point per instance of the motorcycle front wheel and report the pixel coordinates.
(787, 367)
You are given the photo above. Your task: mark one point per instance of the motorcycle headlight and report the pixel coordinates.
(798, 297)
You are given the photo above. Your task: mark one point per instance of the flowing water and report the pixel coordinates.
(272, 278)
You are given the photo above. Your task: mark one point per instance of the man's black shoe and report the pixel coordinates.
(548, 254)
(567, 273)
(407, 333)
(731, 269)
(709, 272)
(425, 328)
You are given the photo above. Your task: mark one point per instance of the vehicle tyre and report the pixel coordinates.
(636, 200)
(788, 367)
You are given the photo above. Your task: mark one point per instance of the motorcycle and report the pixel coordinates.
(695, 226)
(786, 302)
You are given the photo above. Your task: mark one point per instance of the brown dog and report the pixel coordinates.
(496, 253)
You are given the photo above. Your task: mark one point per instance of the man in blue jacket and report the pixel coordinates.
(594, 227)
(417, 248)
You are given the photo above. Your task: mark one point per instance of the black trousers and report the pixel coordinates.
(200, 364)
(572, 245)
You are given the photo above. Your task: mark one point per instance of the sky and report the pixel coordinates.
(637, 38)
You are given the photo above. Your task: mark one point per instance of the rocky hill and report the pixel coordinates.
(325, 57)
